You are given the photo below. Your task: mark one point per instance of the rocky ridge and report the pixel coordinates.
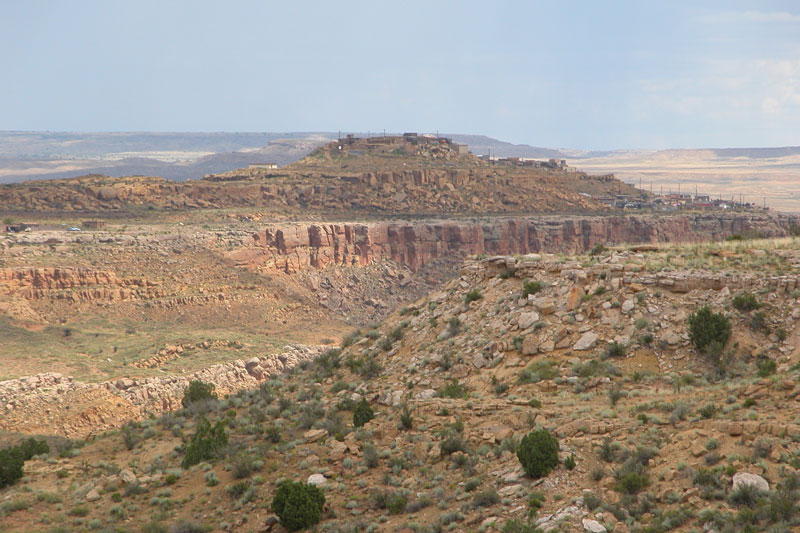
(54, 404)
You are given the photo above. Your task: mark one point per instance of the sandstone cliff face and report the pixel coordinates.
(297, 247)
(72, 284)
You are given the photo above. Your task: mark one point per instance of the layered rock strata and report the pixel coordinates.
(297, 247)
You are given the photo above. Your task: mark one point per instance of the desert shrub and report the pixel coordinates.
(615, 394)
(197, 391)
(471, 484)
(454, 389)
(632, 483)
(709, 330)
(538, 453)
(242, 467)
(351, 338)
(396, 503)
(530, 287)
(273, 434)
(766, 367)
(238, 489)
(406, 418)
(615, 349)
(518, 526)
(473, 295)
(327, 363)
(598, 249)
(569, 462)
(371, 455)
(782, 505)
(745, 495)
(362, 413)
(452, 444)
(298, 505)
(538, 371)
(79, 510)
(762, 448)
(206, 444)
(485, 499)
(185, 526)
(745, 301)
(708, 410)
(758, 321)
(31, 447)
(608, 450)
(310, 414)
(595, 367)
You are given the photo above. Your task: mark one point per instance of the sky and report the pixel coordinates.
(563, 74)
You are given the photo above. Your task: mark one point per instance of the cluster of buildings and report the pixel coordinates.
(350, 141)
(19, 227)
(673, 202)
(551, 164)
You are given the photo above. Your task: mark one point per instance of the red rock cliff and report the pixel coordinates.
(292, 248)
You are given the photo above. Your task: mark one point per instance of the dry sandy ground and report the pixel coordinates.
(776, 180)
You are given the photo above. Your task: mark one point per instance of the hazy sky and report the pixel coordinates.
(580, 74)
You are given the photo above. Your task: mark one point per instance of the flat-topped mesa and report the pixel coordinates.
(302, 246)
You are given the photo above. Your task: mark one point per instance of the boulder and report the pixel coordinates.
(528, 319)
(575, 298)
(593, 526)
(627, 306)
(313, 435)
(128, 477)
(317, 480)
(586, 342)
(530, 345)
(746, 478)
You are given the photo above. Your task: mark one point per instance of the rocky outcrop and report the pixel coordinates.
(411, 190)
(297, 247)
(55, 404)
(72, 284)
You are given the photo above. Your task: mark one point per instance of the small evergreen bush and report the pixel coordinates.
(709, 331)
(298, 505)
(530, 287)
(745, 301)
(11, 462)
(538, 453)
(362, 413)
(13, 459)
(197, 391)
(207, 443)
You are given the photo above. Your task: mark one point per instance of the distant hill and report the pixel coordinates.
(180, 156)
(480, 145)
